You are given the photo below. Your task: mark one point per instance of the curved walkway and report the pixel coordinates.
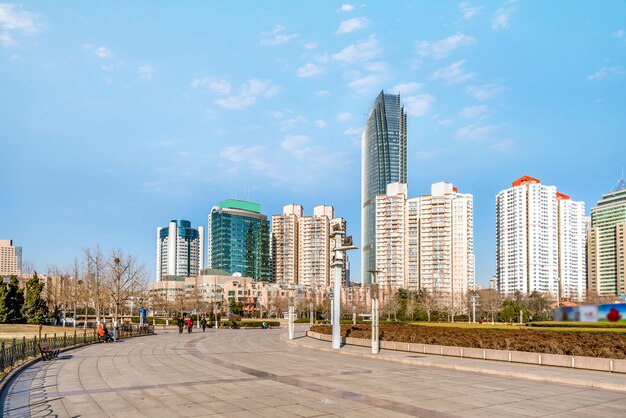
(256, 373)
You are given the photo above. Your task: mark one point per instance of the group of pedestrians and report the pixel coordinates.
(188, 323)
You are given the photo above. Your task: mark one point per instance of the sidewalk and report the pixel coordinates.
(584, 378)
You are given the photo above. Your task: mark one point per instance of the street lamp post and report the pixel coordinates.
(291, 314)
(375, 312)
(311, 314)
(337, 264)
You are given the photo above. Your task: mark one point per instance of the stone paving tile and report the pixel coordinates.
(301, 410)
(252, 372)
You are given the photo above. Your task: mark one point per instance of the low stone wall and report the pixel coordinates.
(558, 360)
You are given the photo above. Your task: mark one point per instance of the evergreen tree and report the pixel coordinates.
(13, 301)
(3, 302)
(34, 308)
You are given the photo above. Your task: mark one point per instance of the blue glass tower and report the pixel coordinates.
(239, 239)
(383, 161)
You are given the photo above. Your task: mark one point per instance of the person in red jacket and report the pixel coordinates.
(189, 324)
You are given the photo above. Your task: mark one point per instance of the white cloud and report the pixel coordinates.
(506, 146)
(248, 94)
(452, 74)
(502, 17)
(473, 111)
(467, 10)
(294, 142)
(350, 25)
(346, 7)
(604, 72)
(322, 93)
(288, 124)
(359, 52)
(103, 52)
(344, 117)
(368, 83)
(419, 105)
(310, 70)
(430, 154)
(146, 72)
(486, 91)
(212, 84)
(310, 45)
(406, 88)
(476, 131)
(100, 51)
(277, 36)
(443, 47)
(320, 123)
(15, 20)
(355, 132)
(619, 34)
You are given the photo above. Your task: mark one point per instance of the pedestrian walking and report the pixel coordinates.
(181, 324)
(203, 323)
(189, 324)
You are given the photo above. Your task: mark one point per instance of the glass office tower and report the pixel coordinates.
(239, 239)
(383, 161)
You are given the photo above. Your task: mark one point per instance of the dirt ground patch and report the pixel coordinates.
(607, 344)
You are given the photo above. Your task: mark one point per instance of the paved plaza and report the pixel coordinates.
(241, 373)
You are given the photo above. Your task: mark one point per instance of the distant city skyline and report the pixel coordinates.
(111, 130)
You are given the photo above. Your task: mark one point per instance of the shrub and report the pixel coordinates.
(611, 344)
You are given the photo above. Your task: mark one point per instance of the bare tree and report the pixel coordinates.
(411, 305)
(125, 279)
(94, 277)
(491, 302)
(428, 302)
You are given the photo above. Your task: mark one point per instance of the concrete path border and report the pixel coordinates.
(577, 377)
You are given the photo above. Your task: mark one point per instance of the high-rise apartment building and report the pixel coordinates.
(446, 242)
(426, 242)
(391, 236)
(285, 234)
(302, 246)
(180, 250)
(540, 240)
(383, 161)
(10, 258)
(605, 252)
(239, 239)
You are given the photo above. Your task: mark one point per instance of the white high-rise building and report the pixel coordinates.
(540, 236)
(572, 245)
(180, 250)
(426, 242)
(391, 236)
(302, 246)
(10, 258)
(284, 247)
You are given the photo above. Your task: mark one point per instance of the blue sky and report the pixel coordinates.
(119, 116)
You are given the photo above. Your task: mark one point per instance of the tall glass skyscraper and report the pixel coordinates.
(383, 161)
(239, 239)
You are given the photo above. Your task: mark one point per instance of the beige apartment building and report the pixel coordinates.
(302, 246)
(426, 242)
(10, 258)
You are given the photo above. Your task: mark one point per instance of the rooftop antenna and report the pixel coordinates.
(621, 184)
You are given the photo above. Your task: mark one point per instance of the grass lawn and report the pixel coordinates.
(10, 331)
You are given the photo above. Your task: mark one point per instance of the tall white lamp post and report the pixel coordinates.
(337, 264)
(375, 313)
(291, 314)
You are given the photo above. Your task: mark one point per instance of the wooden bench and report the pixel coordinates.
(47, 352)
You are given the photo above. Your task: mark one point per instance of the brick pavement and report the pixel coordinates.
(240, 373)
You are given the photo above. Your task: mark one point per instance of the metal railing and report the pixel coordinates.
(12, 353)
